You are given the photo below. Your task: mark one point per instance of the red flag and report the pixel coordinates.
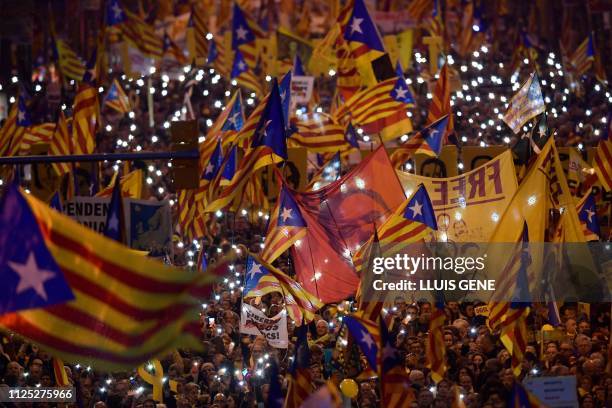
(340, 218)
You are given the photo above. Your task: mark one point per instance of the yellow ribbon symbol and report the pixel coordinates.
(156, 380)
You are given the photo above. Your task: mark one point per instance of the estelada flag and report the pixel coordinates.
(86, 298)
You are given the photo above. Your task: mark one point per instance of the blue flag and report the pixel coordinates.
(399, 71)
(285, 94)
(90, 69)
(114, 218)
(434, 134)
(351, 136)
(401, 92)
(114, 13)
(230, 165)
(241, 32)
(212, 52)
(235, 119)
(23, 116)
(361, 28)
(298, 68)
(301, 359)
(270, 130)
(31, 278)
(289, 212)
(239, 65)
(56, 202)
(202, 261)
(588, 215)
(254, 272)
(275, 393)
(391, 357)
(364, 339)
(419, 209)
(213, 164)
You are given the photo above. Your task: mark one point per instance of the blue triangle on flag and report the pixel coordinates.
(230, 165)
(31, 278)
(239, 65)
(434, 134)
(214, 163)
(419, 209)
(254, 272)
(235, 119)
(361, 28)
(289, 214)
(284, 87)
(241, 32)
(588, 215)
(270, 130)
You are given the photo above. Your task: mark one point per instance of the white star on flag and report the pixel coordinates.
(416, 208)
(255, 269)
(356, 25)
(209, 168)
(113, 222)
(286, 214)
(590, 214)
(233, 118)
(31, 277)
(367, 339)
(21, 115)
(241, 66)
(388, 352)
(401, 92)
(241, 33)
(117, 10)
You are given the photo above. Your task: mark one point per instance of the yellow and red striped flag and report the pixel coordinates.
(440, 103)
(245, 35)
(196, 35)
(602, 163)
(131, 185)
(59, 373)
(301, 305)
(428, 141)
(379, 109)
(285, 228)
(141, 35)
(69, 63)
(435, 348)
(525, 104)
(14, 129)
(403, 227)
(582, 59)
(268, 146)
(300, 378)
(117, 99)
(36, 134)
(97, 302)
(60, 145)
(86, 112)
(318, 132)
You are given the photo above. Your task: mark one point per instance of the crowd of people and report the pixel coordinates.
(233, 370)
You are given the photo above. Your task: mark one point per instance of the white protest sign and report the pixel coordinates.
(301, 88)
(554, 392)
(274, 329)
(89, 211)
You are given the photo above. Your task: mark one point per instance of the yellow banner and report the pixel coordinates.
(468, 206)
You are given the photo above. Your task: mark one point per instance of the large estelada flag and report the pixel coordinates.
(86, 298)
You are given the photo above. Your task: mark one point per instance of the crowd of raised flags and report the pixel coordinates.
(122, 310)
